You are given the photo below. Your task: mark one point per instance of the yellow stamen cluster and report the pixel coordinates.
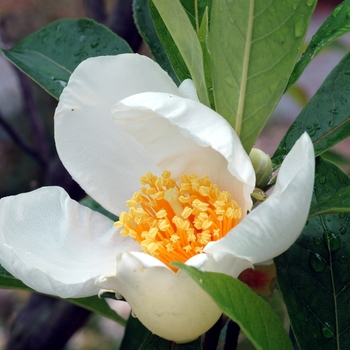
(175, 221)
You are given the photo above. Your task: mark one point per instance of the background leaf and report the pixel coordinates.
(50, 55)
(254, 46)
(336, 25)
(314, 274)
(254, 316)
(186, 41)
(326, 117)
(149, 34)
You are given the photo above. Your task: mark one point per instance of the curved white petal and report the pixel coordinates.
(184, 136)
(94, 151)
(187, 89)
(55, 245)
(170, 305)
(275, 224)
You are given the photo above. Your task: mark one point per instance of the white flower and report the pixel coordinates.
(118, 119)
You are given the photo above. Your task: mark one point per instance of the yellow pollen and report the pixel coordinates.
(175, 221)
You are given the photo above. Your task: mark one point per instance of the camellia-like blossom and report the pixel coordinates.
(121, 121)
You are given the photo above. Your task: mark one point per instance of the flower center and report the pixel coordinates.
(174, 221)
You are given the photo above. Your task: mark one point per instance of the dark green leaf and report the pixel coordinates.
(9, 282)
(50, 55)
(173, 53)
(326, 117)
(135, 334)
(99, 306)
(254, 46)
(148, 32)
(254, 316)
(336, 25)
(153, 342)
(92, 204)
(314, 274)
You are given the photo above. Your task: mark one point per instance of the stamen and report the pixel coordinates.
(176, 221)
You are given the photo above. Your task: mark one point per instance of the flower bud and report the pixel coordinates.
(262, 166)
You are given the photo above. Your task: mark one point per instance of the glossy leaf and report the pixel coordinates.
(336, 25)
(254, 316)
(135, 334)
(326, 117)
(144, 23)
(185, 38)
(254, 46)
(50, 55)
(314, 273)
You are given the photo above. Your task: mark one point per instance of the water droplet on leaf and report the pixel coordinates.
(317, 263)
(333, 240)
(318, 240)
(322, 180)
(327, 330)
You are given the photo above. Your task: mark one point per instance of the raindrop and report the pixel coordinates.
(322, 180)
(318, 240)
(299, 28)
(327, 330)
(334, 111)
(82, 38)
(333, 240)
(337, 10)
(95, 43)
(330, 123)
(342, 230)
(317, 263)
(310, 2)
(342, 215)
(61, 82)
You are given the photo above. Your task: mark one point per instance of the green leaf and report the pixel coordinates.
(173, 53)
(326, 117)
(186, 41)
(144, 23)
(50, 55)
(99, 306)
(336, 25)
(254, 46)
(9, 282)
(254, 316)
(314, 273)
(135, 334)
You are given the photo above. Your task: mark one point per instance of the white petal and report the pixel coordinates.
(55, 245)
(275, 224)
(187, 89)
(170, 305)
(184, 136)
(94, 151)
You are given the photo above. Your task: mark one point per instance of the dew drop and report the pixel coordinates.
(342, 215)
(294, 6)
(330, 123)
(333, 240)
(342, 230)
(327, 330)
(299, 28)
(322, 180)
(317, 263)
(337, 10)
(318, 240)
(95, 43)
(334, 111)
(310, 2)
